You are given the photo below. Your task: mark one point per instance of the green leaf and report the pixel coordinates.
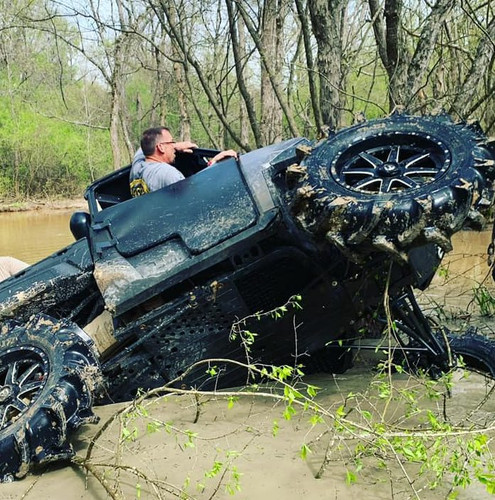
(289, 412)
(217, 467)
(312, 390)
(232, 400)
(366, 414)
(350, 477)
(316, 419)
(275, 428)
(212, 371)
(305, 449)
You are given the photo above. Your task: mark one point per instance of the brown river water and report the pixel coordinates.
(31, 236)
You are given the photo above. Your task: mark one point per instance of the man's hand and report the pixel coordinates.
(185, 146)
(229, 153)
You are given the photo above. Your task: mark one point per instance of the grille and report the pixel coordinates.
(271, 284)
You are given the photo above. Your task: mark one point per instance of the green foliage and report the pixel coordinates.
(41, 157)
(44, 150)
(485, 300)
(443, 272)
(443, 450)
(305, 451)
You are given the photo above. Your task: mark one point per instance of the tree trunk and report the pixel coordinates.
(247, 111)
(396, 54)
(254, 32)
(327, 18)
(159, 111)
(406, 74)
(483, 59)
(271, 32)
(418, 67)
(315, 104)
(115, 110)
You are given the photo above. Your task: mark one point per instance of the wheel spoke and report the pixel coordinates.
(393, 155)
(387, 185)
(32, 369)
(11, 376)
(397, 184)
(9, 412)
(19, 405)
(372, 160)
(31, 387)
(415, 159)
(3, 415)
(359, 171)
(366, 184)
(406, 182)
(421, 171)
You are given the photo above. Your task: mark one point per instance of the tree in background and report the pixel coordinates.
(225, 73)
(51, 135)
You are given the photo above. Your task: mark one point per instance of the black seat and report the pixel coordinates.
(113, 188)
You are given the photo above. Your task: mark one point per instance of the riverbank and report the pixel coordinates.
(45, 204)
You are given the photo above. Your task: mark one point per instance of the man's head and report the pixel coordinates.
(157, 144)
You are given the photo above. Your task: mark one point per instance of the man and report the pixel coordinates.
(152, 166)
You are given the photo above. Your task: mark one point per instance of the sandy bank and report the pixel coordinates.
(37, 205)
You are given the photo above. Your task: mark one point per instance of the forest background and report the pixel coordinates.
(80, 80)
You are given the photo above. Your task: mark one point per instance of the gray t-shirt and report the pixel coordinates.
(155, 174)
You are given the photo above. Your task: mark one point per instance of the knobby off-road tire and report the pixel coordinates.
(477, 351)
(392, 184)
(48, 376)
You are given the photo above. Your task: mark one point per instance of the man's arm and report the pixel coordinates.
(229, 153)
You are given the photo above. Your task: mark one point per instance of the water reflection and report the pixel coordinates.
(34, 235)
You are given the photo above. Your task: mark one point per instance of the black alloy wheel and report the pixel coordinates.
(49, 375)
(393, 184)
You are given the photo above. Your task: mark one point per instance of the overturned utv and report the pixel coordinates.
(339, 222)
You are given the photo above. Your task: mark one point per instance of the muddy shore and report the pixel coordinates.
(48, 204)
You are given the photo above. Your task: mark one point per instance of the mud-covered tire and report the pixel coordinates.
(470, 351)
(477, 351)
(392, 184)
(48, 377)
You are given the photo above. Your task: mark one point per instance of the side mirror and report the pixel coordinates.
(79, 225)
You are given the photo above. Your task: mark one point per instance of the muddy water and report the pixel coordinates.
(31, 236)
(463, 291)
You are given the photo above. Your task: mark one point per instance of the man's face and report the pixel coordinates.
(166, 147)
